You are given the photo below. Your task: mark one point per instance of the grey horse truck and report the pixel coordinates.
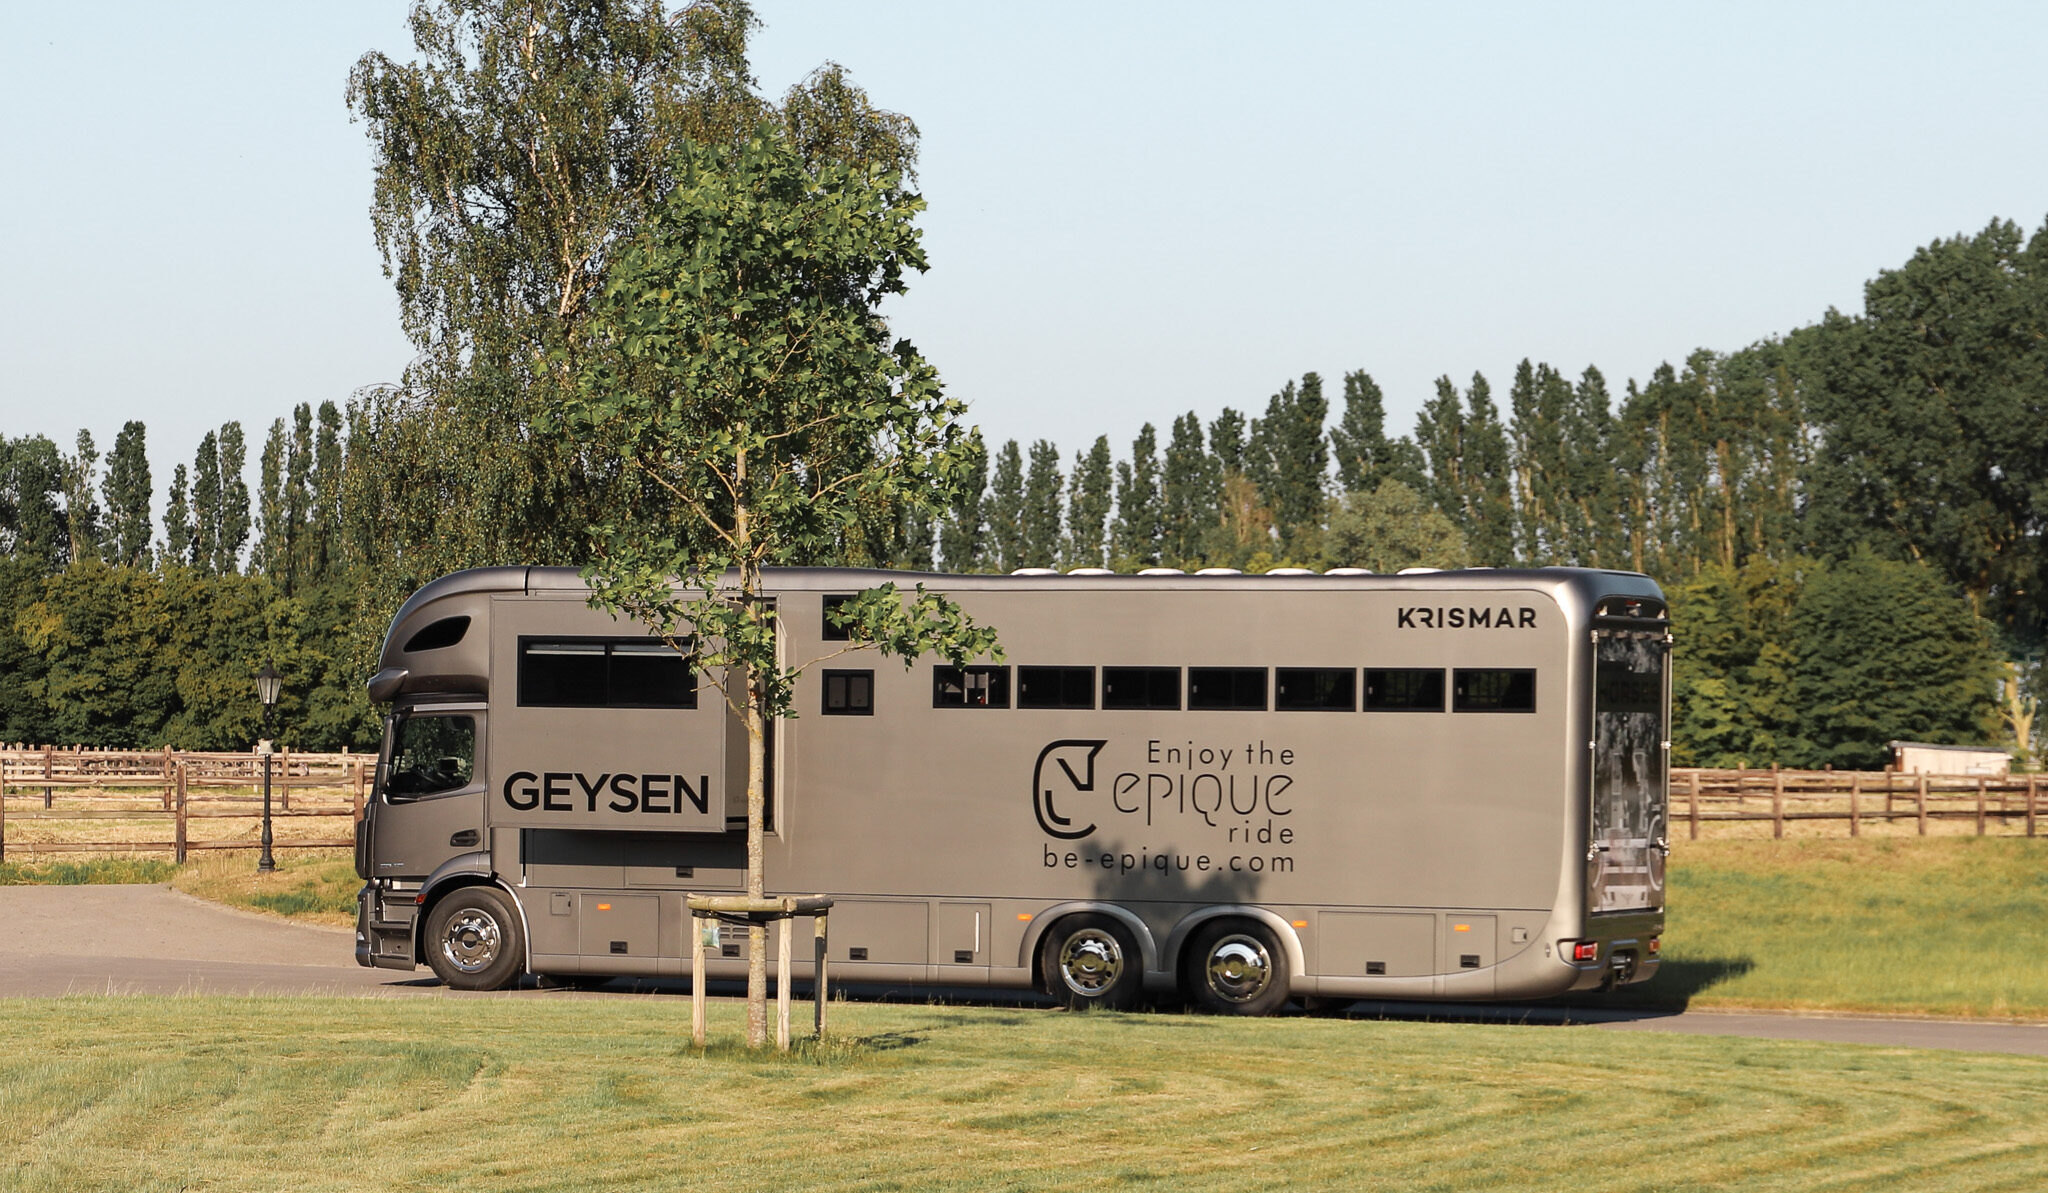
(1233, 788)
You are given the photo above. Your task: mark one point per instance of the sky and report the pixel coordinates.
(1136, 210)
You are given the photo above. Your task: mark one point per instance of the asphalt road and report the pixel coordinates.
(57, 940)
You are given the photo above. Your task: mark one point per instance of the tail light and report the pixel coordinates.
(1655, 943)
(1585, 950)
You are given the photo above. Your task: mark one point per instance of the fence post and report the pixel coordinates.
(2033, 782)
(696, 976)
(1777, 803)
(49, 768)
(1692, 803)
(1855, 799)
(1921, 803)
(1980, 805)
(782, 978)
(3, 815)
(819, 953)
(357, 767)
(179, 848)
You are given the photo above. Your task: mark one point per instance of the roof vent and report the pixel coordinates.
(1090, 572)
(1419, 571)
(1036, 572)
(1219, 572)
(1290, 571)
(1161, 572)
(1348, 572)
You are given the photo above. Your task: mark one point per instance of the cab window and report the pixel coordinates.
(430, 755)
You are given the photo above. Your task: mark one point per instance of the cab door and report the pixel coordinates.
(1631, 746)
(430, 798)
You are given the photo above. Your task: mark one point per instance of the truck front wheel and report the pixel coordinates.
(473, 940)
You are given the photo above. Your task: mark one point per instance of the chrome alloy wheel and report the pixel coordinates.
(1090, 962)
(1238, 968)
(471, 940)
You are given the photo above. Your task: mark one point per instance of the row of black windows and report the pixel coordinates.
(638, 673)
(1294, 689)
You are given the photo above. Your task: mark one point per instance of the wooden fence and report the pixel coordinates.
(47, 791)
(1855, 799)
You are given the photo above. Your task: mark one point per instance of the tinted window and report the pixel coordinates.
(1621, 688)
(1055, 687)
(1315, 688)
(1141, 687)
(1493, 689)
(849, 693)
(1227, 687)
(1404, 690)
(835, 633)
(970, 687)
(445, 632)
(597, 673)
(431, 755)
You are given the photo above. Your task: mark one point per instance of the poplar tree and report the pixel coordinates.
(81, 499)
(178, 530)
(1358, 443)
(127, 493)
(1591, 530)
(324, 525)
(1006, 510)
(298, 495)
(272, 535)
(1135, 539)
(32, 479)
(1191, 494)
(206, 505)
(1088, 506)
(961, 533)
(1041, 520)
(233, 534)
(1538, 403)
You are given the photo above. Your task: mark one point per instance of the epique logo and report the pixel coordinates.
(1065, 767)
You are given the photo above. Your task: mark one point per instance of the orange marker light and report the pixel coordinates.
(1301, 923)
(1023, 917)
(604, 907)
(1461, 927)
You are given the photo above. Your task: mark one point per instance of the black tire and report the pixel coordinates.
(1092, 961)
(473, 940)
(1323, 1006)
(1235, 967)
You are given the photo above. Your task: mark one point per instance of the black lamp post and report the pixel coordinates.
(268, 681)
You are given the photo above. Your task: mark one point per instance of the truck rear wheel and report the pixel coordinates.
(1235, 967)
(1092, 961)
(473, 940)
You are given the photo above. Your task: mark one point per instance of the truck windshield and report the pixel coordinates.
(430, 755)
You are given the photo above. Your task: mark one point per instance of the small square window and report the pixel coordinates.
(970, 687)
(1404, 690)
(1315, 689)
(835, 633)
(1240, 688)
(1141, 687)
(1493, 689)
(849, 694)
(1055, 687)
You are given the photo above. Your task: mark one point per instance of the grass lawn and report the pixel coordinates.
(1945, 926)
(312, 1095)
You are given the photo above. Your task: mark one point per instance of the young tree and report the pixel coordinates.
(1088, 507)
(739, 363)
(126, 492)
